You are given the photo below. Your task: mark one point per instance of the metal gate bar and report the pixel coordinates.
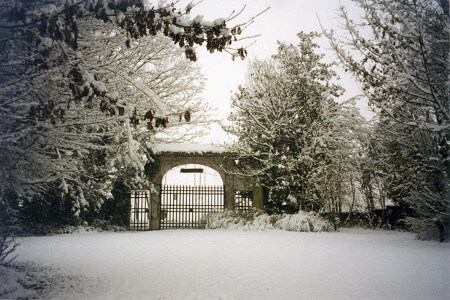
(184, 206)
(139, 215)
(243, 201)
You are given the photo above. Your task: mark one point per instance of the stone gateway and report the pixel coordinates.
(184, 206)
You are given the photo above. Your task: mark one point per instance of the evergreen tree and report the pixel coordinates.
(290, 130)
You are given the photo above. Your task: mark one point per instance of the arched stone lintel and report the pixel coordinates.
(170, 161)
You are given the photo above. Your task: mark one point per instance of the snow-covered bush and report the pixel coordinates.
(96, 226)
(426, 230)
(303, 221)
(257, 220)
(10, 285)
(246, 220)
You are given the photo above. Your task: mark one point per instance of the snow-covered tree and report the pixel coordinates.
(337, 153)
(78, 96)
(399, 53)
(293, 137)
(91, 146)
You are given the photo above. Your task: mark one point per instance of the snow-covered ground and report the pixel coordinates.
(206, 264)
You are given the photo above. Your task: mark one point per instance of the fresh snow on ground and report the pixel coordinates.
(225, 264)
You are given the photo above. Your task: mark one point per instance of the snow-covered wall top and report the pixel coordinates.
(189, 148)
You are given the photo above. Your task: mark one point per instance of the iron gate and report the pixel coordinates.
(243, 201)
(139, 214)
(186, 206)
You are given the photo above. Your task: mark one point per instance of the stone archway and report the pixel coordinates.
(217, 158)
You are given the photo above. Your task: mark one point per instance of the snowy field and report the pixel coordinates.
(188, 264)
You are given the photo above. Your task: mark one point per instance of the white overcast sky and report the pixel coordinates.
(282, 21)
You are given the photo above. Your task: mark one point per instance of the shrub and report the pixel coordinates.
(303, 221)
(437, 229)
(257, 220)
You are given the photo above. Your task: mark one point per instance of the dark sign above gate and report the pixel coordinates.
(191, 170)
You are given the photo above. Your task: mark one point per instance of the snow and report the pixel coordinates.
(198, 19)
(301, 221)
(218, 21)
(189, 148)
(189, 6)
(176, 30)
(45, 44)
(207, 264)
(148, 92)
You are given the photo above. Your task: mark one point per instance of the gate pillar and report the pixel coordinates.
(229, 191)
(229, 198)
(155, 204)
(258, 196)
